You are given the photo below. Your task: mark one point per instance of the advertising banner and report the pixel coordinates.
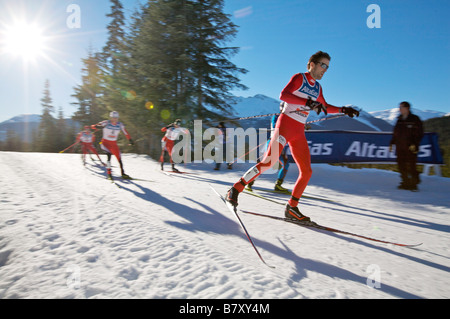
(365, 147)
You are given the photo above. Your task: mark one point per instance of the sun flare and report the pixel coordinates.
(23, 40)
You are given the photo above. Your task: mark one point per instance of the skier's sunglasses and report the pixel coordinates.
(323, 65)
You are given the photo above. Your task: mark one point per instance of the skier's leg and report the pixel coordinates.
(284, 161)
(270, 158)
(94, 151)
(108, 164)
(116, 152)
(302, 157)
(170, 144)
(106, 146)
(83, 153)
(163, 150)
(286, 129)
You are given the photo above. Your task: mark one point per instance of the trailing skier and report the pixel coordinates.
(86, 139)
(168, 141)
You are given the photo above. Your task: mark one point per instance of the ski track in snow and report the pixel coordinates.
(67, 232)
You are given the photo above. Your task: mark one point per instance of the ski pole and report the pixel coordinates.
(249, 152)
(272, 114)
(243, 118)
(70, 147)
(326, 118)
(315, 121)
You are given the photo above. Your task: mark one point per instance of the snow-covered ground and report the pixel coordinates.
(67, 232)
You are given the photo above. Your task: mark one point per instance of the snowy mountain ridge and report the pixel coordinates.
(261, 104)
(23, 118)
(391, 115)
(367, 121)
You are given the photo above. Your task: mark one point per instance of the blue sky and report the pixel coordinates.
(373, 68)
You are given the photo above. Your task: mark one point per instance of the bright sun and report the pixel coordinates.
(24, 40)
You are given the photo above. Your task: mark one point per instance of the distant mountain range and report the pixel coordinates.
(24, 118)
(23, 125)
(391, 115)
(379, 121)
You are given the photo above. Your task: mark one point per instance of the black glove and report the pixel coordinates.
(350, 111)
(130, 141)
(316, 106)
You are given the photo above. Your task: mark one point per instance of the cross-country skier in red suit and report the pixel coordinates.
(301, 95)
(111, 131)
(86, 139)
(168, 141)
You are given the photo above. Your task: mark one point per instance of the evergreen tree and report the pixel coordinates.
(13, 142)
(159, 46)
(180, 48)
(215, 75)
(46, 136)
(114, 48)
(112, 60)
(88, 94)
(171, 62)
(64, 133)
(122, 85)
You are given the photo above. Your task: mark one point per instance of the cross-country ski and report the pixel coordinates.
(333, 230)
(234, 211)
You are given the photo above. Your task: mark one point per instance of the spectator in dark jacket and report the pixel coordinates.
(408, 133)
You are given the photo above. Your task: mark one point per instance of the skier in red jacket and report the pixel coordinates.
(86, 139)
(301, 95)
(168, 141)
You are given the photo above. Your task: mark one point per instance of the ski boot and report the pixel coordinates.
(109, 174)
(292, 213)
(125, 176)
(232, 197)
(279, 188)
(249, 186)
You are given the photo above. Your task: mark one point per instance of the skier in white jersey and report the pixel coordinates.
(168, 141)
(111, 131)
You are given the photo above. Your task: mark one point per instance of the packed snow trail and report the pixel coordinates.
(67, 232)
